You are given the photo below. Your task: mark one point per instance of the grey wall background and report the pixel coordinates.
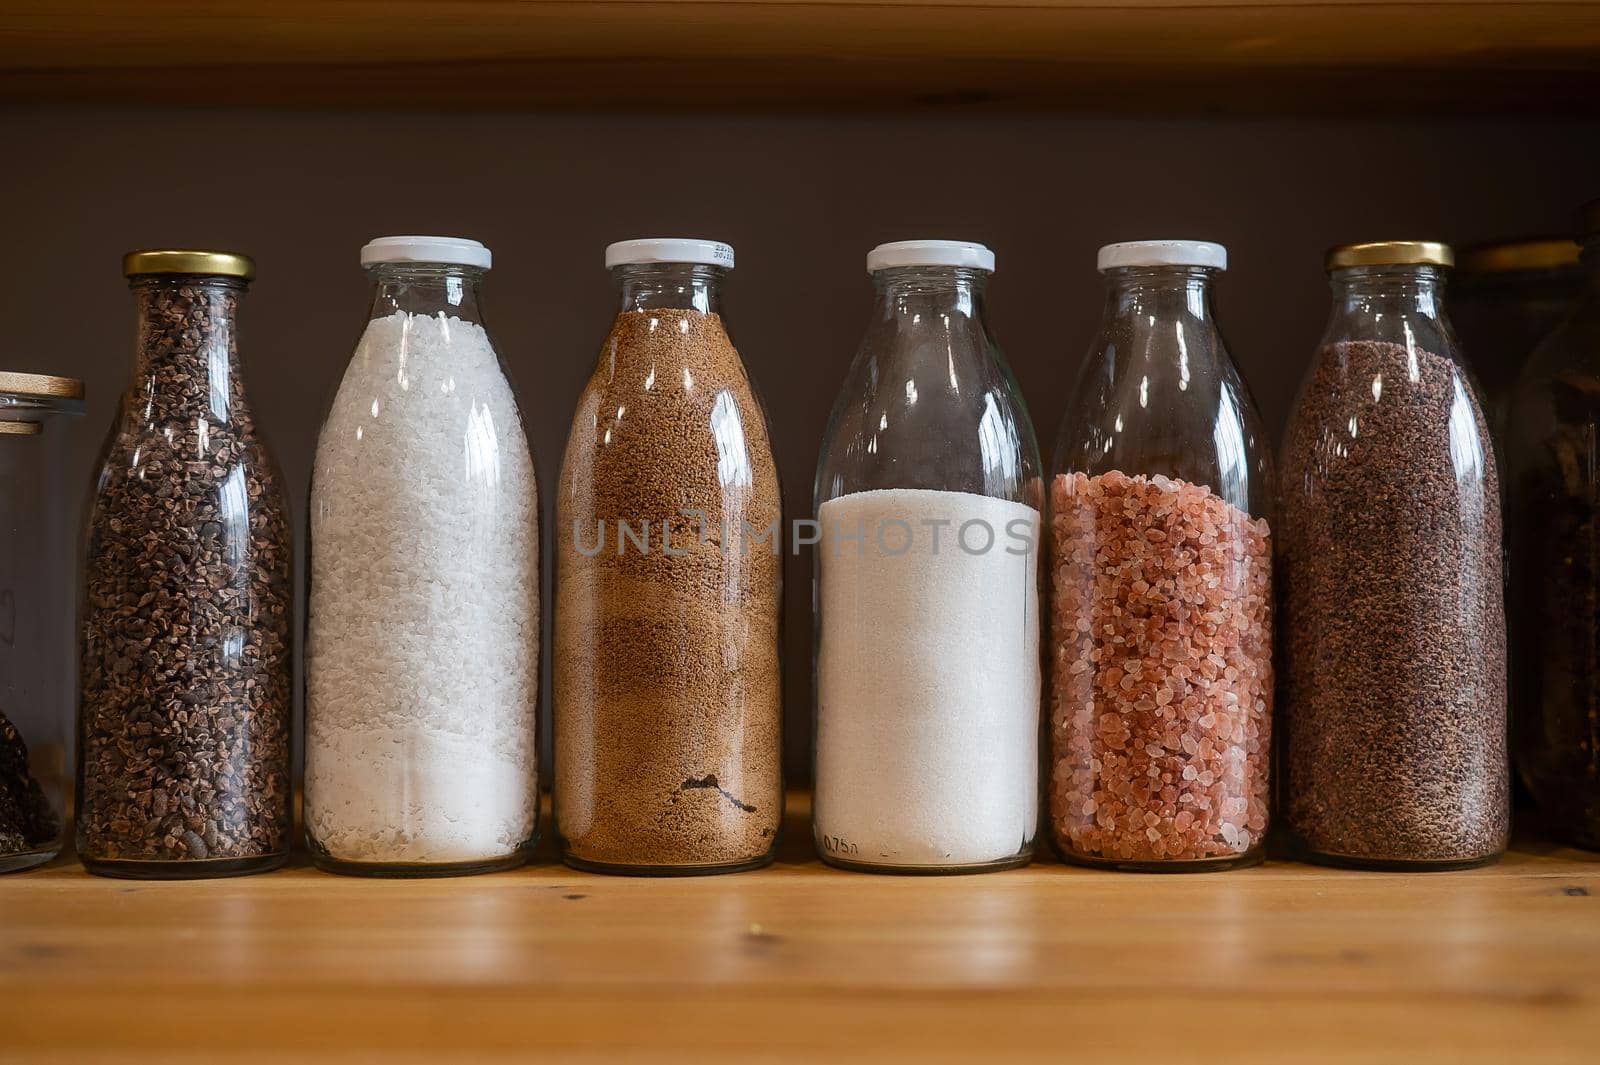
(801, 199)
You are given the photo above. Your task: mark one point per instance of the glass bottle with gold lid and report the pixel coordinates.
(1553, 494)
(35, 619)
(1504, 299)
(184, 675)
(1393, 722)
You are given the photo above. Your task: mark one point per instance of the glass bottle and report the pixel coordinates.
(1161, 680)
(928, 505)
(422, 638)
(35, 614)
(1554, 491)
(667, 683)
(1394, 750)
(1504, 299)
(184, 713)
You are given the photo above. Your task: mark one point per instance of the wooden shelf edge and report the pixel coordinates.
(740, 55)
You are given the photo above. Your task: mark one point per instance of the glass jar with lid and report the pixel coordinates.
(1394, 751)
(35, 617)
(184, 675)
(667, 679)
(422, 613)
(1161, 574)
(1553, 488)
(1504, 299)
(928, 500)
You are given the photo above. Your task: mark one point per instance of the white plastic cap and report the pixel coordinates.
(1163, 253)
(670, 250)
(457, 251)
(930, 253)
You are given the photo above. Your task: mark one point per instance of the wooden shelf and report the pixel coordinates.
(800, 962)
(1082, 55)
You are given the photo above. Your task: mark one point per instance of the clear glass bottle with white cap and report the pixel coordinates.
(667, 682)
(928, 499)
(1160, 644)
(35, 613)
(1394, 752)
(422, 618)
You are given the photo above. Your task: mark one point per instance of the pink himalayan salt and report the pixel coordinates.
(1161, 696)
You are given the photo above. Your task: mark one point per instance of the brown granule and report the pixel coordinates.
(1161, 682)
(1394, 616)
(184, 722)
(668, 692)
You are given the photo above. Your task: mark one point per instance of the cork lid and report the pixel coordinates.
(40, 386)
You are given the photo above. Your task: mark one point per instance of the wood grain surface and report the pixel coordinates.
(1081, 55)
(800, 962)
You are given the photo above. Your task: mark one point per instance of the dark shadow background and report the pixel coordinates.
(801, 200)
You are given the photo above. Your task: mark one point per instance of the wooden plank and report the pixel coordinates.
(804, 963)
(1167, 55)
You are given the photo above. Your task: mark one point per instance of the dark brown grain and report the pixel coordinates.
(185, 672)
(27, 821)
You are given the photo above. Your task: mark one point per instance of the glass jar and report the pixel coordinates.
(1505, 298)
(1395, 670)
(667, 684)
(1161, 577)
(35, 641)
(928, 500)
(184, 709)
(1554, 491)
(422, 613)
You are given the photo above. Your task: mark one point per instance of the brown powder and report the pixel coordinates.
(1161, 692)
(667, 682)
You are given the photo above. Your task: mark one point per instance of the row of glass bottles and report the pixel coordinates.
(1157, 553)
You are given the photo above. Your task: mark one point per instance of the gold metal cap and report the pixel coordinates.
(41, 386)
(1544, 253)
(20, 428)
(188, 261)
(1390, 253)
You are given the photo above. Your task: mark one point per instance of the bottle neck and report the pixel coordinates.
(186, 354)
(912, 292)
(1408, 290)
(431, 289)
(1159, 293)
(670, 286)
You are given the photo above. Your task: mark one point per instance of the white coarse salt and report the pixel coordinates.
(928, 679)
(422, 645)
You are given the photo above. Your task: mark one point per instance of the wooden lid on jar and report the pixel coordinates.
(40, 386)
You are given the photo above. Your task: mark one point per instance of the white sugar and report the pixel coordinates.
(423, 642)
(928, 679)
